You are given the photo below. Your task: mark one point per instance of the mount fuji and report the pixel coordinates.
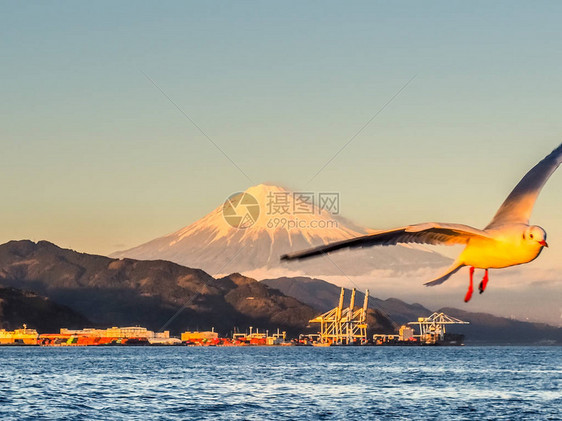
(252, 229)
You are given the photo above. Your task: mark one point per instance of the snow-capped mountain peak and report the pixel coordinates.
(250, 230)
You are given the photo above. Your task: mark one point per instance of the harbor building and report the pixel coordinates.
(23, 336)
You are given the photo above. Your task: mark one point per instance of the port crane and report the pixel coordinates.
(344, 325)
(433, 328)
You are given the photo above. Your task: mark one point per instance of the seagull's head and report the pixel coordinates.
(535, 234)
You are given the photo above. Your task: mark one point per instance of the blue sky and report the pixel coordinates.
(95, 158)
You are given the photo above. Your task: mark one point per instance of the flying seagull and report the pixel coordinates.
(508, 240)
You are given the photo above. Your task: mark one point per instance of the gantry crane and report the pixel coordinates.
(433, 328)
(344, 326)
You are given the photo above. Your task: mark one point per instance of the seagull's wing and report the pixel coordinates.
(428, 233)
(518, 206)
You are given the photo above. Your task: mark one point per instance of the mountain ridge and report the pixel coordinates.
(159, 294)
(154, 294)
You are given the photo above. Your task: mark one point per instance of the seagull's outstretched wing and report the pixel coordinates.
(518, 206)
(428, 233)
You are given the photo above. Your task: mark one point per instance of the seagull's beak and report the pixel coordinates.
(543, 243)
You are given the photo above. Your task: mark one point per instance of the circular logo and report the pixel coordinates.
(241, 210)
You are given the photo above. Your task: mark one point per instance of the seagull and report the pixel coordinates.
(508, 240)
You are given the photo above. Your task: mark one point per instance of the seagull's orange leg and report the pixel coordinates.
(468, 295)
(484, 282)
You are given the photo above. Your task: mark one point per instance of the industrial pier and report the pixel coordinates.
(432, 331)
(348, 326)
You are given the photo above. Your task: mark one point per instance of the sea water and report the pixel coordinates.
(281, 383)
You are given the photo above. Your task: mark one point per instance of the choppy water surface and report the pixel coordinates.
(255, 383)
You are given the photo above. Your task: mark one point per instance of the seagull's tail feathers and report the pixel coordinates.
(442, 278)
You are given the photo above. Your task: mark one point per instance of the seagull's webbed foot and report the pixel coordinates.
(484, 282)
(468, 295)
